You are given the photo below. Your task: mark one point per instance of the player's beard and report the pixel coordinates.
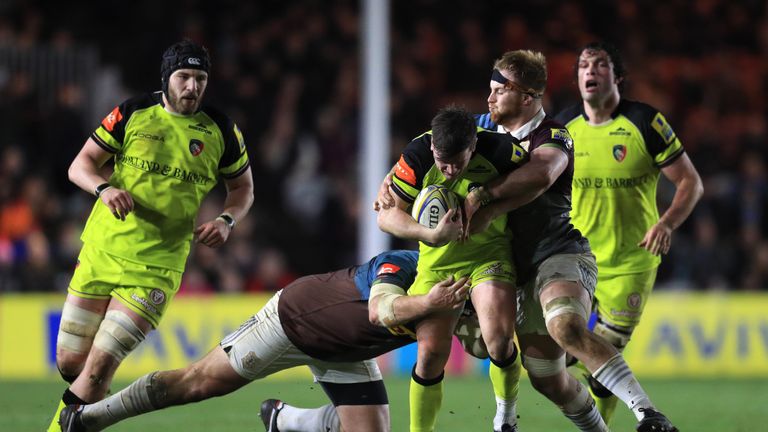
(181, 105)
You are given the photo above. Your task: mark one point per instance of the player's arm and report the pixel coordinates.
(239, 199)
(398, 222)
(688, 191)
(389, 305)
(85, 172)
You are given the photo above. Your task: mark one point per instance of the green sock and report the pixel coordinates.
(54, 426)
(425, 397)
(505, 378)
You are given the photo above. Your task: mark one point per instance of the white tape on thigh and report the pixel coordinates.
(77, 328)
(542, 367)
(385, 308)
(118, 334)
(564, 305)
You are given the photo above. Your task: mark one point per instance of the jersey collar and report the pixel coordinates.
(526, 129)
(614, 114)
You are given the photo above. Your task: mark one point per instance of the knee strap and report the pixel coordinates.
(77, 328)
(564, 305)
(118, 334)
(543, 367)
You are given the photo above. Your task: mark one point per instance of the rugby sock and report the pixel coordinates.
(605, 400)
(505, 377)
(616, 376)
(425, 398)
(68, 398)
(323, 419)
(138, 398)
(583, 412)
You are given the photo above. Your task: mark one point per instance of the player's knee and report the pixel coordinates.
(566, 319)
(69, 371)
(118, 335)
(614, 335)
(500, 347)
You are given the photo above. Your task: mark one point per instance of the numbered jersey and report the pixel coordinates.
(168, 163)
(617, 166)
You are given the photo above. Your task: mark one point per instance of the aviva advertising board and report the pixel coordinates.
(682, 335)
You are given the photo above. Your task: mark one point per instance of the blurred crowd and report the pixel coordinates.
(289, 74)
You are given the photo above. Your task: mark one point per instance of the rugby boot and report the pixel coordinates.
(270, 408)
(654, 421)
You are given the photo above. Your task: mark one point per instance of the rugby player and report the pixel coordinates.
(169, 152)
(621, 148)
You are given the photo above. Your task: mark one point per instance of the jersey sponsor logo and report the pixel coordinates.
(111, 119)
(479, 169)
(518, 153)
(163, 169)
(157, 296)
(619, 152)
(388, 268)
(239, 136)
(149, 136)
(661, 126)
(494, 269)
(144, 303)
(563, 136)
(611, 182)
(620, 131)
(404, 172)
(200, 127)
(196, 147)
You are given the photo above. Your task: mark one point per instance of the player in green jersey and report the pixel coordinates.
(621, 147)
(458, 156)
(169, 152)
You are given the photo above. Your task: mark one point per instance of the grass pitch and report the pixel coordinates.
(468, 405)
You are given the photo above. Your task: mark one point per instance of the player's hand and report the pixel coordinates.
(475, 199)
(479, 223)
(448, 294)
(212, 234)
(450, 228)
(384, 199)
(119, 202)
(658, 239)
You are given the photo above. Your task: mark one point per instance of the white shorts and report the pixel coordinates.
(580, 268)
(260, 348)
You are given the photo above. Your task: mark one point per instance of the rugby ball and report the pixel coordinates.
(432, 203)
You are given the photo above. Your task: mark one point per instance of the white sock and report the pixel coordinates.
(128, 402)
(506, 412)
(323, 419)
(616, 376)
(583, 412)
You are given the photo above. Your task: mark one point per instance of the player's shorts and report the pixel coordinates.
(494, 270)
(145, 289)
(621, 298)
(260, 348)
(580, 268)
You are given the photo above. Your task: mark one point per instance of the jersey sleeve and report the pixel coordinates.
(661, 141)
(502, 150)
(396, 270)
(554, 135)
(412, 167)
(484, 121)
(110, 134)
(234, 161)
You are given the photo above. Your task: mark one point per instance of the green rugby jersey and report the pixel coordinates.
(168, 163)
(495, 154)
(617, 166)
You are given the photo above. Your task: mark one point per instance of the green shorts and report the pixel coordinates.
(498, 270)
(620, 299)
(145, 289)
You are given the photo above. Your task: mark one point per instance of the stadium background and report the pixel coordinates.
(289, 74)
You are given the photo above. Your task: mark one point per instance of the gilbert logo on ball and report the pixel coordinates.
(432, 203)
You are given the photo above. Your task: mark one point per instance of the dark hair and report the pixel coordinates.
(183, 55)
(619, 70)
(453, 130)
